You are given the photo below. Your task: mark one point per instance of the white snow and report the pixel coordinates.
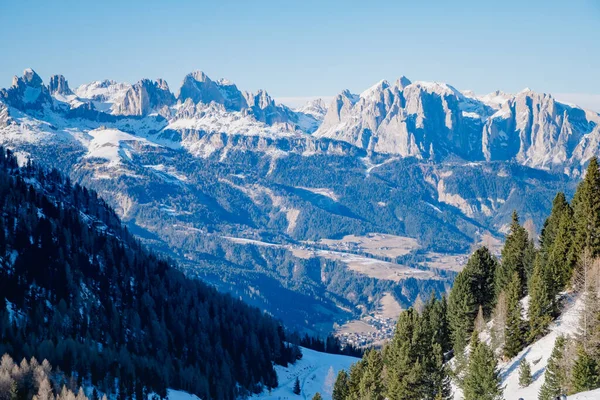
(312, 371)
(537, 354)
(106, 144)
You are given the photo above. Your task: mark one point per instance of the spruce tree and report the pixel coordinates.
(440, 388)
(371, 384)
(555, 377)
(405, 369)
(482, 380)
(340, 388)
(540, 306)
(514, 322)
(513, 256)
(482, 267)
(525, 378)
(586, 209)
(550, 228)
(561, 258)
(462, 309)
(296, 388)
(585, 374)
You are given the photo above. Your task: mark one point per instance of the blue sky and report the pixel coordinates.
(311, 48)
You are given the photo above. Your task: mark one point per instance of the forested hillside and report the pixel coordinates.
(494, 311)
(78, 290)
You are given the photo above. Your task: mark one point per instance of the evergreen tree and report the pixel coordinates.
(550, 228)
(555, 378)
(540, 305)
(513, 257)
(562, 257)
(514, 321)
(317, 396)
(356, 373)
(585, 374)
(405, 370)
(440, 388)
(586, 209)
(462, 309)
(482, 380)
(371, 384)
(340, 388)
(296, 389)
(525, 378)
(482, 267)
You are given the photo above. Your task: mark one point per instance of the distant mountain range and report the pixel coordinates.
(243, 191)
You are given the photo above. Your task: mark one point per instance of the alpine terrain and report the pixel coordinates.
(351, 211)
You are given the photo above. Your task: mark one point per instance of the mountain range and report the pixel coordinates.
(314, 214)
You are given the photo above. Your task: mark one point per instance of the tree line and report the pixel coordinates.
(488, 295)
(77, 289)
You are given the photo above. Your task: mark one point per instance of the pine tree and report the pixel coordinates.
(296, 388)
(561, 258)
(405, 369)
(525, 378)
(514, 322)
(317, 396)
(482, 380)
(462, 309)
(440, 388)
(586, 373)
(340, 388)
(550, 228)
(540, 305)
(586, 209)
(371, 384)
(482, 267)
(555, 378)
(513, 257)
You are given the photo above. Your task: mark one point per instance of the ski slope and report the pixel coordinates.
(316, 372)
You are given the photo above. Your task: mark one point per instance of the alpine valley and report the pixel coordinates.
(356, 208)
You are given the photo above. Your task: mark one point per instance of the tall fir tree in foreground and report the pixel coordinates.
(513, 257)
(482, 380)
(473, 288)
(514, 322)
(340, 388)
(585, 373)
(540, 305)
(555, 380)
(371, 383)
(586, 210)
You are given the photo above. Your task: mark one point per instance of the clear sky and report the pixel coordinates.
(297, 49)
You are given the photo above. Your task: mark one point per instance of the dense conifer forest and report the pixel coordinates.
(78, 290)
(441, 342)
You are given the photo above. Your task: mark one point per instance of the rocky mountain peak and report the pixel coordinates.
(31, 78)
(27, 92)
(59, 85)
(145, 97)
(402, 82)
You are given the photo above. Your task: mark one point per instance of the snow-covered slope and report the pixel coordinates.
(537, 354)
(316, 372)
(591, 395)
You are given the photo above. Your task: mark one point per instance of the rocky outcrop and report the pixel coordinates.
(434, 121)
(144, 97)
(59, 85)
(27, 92)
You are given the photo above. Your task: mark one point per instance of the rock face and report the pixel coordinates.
(59, 85)
(434, 120)
(27, 92)
(144, 97)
